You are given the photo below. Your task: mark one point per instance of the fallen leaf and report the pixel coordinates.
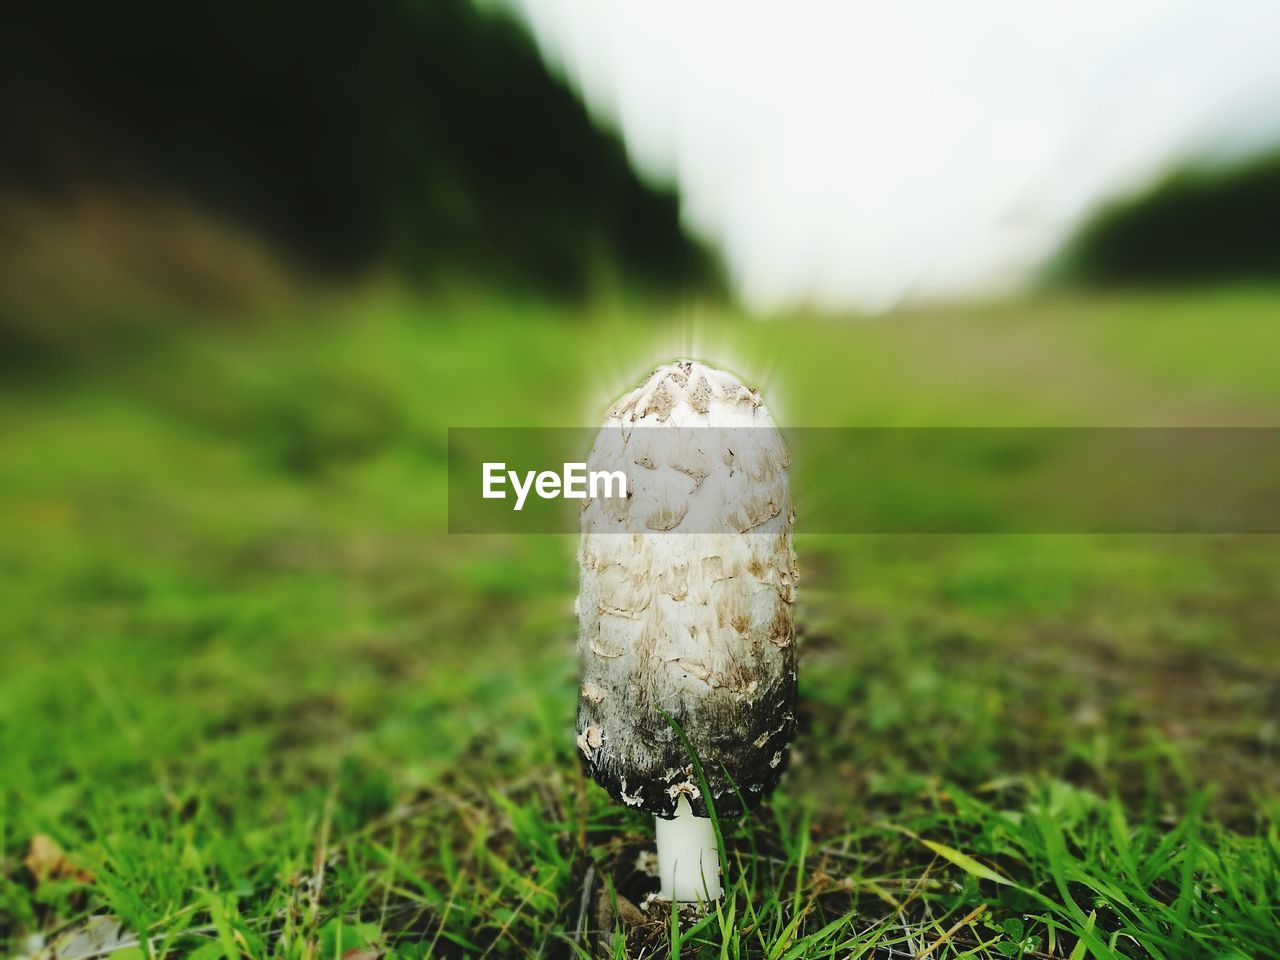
(47, 861)
(99, 936)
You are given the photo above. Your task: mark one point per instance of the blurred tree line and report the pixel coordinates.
(1200, 224)
(425, 134)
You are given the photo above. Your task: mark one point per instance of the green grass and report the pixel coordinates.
(268, 708)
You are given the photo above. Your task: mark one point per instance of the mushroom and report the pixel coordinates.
(686, 595)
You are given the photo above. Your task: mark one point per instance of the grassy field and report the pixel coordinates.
(255, 702)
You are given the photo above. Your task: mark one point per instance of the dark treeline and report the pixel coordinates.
(1197, 225)
(426, 134)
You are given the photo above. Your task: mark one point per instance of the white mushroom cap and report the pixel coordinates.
(686, 596)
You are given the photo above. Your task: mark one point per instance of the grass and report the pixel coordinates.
(264, 706)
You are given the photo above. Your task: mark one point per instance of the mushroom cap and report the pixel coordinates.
(686, 597)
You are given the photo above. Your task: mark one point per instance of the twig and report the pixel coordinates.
(580, 927)
(322, 850)
(967, 919)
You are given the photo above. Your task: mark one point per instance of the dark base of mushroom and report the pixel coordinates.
(751, 739)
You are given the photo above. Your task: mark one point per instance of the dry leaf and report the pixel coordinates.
(47, 861)
(98, 937)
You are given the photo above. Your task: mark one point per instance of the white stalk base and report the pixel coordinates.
(688, 859)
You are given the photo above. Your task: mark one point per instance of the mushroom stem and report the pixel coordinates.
(688, 859)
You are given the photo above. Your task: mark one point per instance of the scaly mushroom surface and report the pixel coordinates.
(686, 598)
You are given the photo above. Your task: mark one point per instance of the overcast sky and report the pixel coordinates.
(856, 154)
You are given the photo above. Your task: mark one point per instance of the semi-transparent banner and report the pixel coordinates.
(687, 480)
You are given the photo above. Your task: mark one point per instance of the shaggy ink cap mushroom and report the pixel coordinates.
(686, 599)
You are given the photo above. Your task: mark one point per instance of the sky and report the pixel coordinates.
(844, 154)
